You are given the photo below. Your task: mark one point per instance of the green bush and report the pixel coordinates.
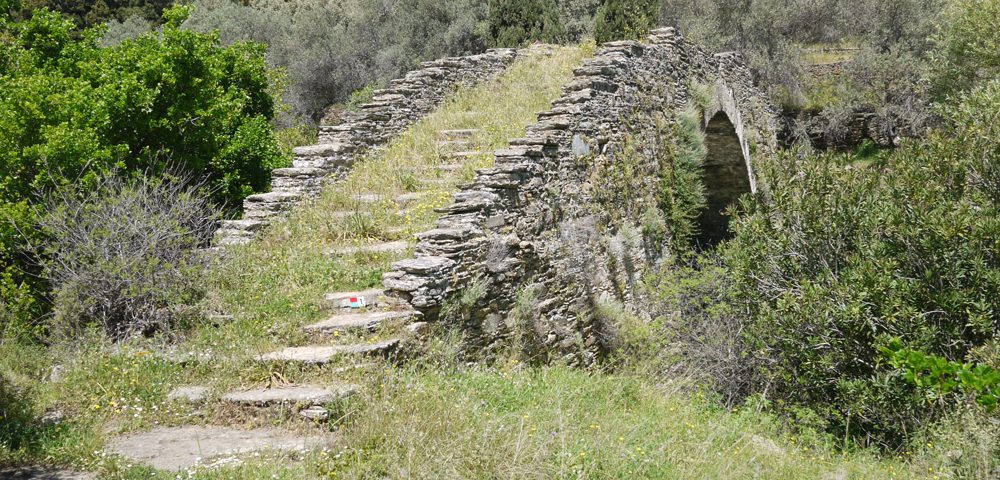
(940, 376)
(122, 254)
(174, 98)
(846, 255)
(330, 49)
(625, 19)
(968, 46)
(514, 23)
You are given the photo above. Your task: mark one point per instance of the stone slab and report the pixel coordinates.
(374, 297)
(322, 354)
(308, 394)
(178, 448)
(457, 134)
(367, 320)
(388, 247)
(190, 394)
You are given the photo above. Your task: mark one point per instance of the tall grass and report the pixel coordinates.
(560, 422)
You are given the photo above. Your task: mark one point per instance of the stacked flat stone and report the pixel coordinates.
(391, 111)
(532, 220)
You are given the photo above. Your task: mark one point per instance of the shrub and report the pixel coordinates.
(625, 19)
(123, 254)
(166, 98)
(514, 23)
(846, 255)
(968, 46)
(578, 17)
(939, 376)
(332, 48)
(682, 193)
(699, 330)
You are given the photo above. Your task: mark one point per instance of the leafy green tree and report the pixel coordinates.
(847, 254)
(71, 111)
(625, 19)
(8, 7)
(513, 23)
(968, 46)
(92, 13)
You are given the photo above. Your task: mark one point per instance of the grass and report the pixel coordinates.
(433, 418)
(272, 287)
(560, 422)
(282, 277)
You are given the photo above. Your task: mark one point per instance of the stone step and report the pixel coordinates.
(450, 146)
(372, 198)
(188, 394)
(323, 354)
(293, 172)
(342, 214)
(465, 156)
(184, 447)
(244, 225)
(465, 134)
(354, 321)
(398, 246)
(226, 239)
(374, 297)
(273, 197)
(263, 205)
(295, 395)
(437, 183)
(448, 167)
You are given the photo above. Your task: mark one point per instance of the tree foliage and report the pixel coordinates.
(968, 46)
(625, 19)
(90, 13)
(845, 256)
(71, 111)
(514, 23)
(331, 48)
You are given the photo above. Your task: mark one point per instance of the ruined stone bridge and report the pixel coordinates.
(553, 227)
(537, 225)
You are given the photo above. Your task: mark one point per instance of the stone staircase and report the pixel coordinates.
(349, 338)
(393, 109)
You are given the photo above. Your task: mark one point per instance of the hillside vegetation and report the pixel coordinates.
(846, 329)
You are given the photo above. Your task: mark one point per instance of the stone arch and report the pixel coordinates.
(725, 175)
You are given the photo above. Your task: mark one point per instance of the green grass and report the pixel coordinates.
(433, 418)
(281, 278)
(272, 286)
(561, 422)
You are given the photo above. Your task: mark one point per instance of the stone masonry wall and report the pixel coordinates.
(393, 109)
(542, 229)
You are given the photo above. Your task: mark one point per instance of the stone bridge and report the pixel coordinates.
(553, 230)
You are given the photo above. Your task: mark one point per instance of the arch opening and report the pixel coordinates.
(725, 177)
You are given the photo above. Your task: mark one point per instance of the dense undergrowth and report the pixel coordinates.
(847, 330)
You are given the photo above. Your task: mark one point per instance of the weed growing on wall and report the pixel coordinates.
(682, 193)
